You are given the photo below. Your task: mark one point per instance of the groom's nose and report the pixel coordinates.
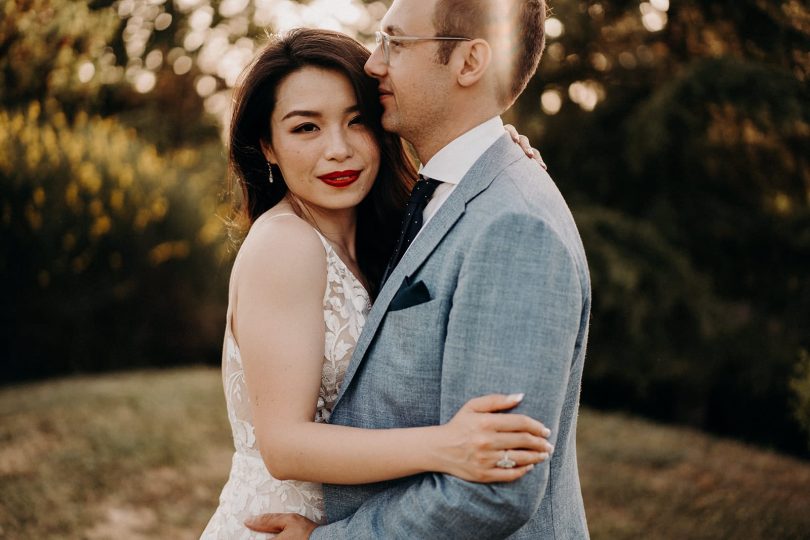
(375, 65)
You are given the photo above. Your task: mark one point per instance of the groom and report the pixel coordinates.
(493, 295)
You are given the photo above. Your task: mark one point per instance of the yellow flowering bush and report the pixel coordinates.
(112, 254)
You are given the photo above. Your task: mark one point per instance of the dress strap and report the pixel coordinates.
(326, 245)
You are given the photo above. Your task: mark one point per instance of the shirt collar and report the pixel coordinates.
(452, 162)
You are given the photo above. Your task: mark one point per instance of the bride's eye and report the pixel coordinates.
(357, 120)
(305, 128)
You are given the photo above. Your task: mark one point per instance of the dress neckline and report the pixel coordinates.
(331, 250)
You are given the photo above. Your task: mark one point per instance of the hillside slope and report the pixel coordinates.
(144, 455)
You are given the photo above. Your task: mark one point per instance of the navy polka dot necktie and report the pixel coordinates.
(412, 223)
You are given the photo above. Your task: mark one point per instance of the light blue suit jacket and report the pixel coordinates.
(508, 308)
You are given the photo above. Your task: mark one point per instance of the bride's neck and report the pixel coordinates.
(337, 226)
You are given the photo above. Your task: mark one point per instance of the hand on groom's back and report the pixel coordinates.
(287, 526)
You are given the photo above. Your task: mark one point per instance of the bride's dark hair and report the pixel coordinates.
(379, 215)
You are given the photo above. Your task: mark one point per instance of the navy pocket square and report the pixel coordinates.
(409, 295)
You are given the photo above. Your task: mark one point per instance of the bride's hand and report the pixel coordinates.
(526, 145)
(476, 439)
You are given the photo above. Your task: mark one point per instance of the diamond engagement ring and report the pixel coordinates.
(505, 462)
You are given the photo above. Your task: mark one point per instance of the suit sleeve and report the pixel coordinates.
(512, 328)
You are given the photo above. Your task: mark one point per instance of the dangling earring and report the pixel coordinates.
(269, 172)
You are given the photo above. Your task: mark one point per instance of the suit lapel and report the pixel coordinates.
(501, 154)
(424, 244)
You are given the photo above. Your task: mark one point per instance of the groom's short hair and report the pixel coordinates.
(514, 28)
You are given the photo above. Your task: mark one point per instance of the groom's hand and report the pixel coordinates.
(288, 526)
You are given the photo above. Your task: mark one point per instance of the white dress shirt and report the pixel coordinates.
(452, 162)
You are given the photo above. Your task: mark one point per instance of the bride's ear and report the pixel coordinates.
(267, 150)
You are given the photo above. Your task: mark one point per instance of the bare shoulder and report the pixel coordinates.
(284, 249)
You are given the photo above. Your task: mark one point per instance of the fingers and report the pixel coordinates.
(524, 462)
(520, 457)
(486, 465)
(485, 443)
(526, 145)
(512, 131)
(493, 402)
(521, 140)
(539, 159)
(523, 457)
(496, 474)
(517, 422)
(271, 523)
(524, 441)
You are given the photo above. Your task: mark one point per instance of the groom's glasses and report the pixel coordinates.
(385, 41)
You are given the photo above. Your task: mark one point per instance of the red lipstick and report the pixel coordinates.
(340, 179)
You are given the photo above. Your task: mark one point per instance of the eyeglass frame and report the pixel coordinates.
(384, 40)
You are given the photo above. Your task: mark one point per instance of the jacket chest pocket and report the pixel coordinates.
(411, 344)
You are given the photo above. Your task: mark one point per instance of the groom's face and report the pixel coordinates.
(413, 84)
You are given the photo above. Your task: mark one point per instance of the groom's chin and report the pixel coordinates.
(389, 120)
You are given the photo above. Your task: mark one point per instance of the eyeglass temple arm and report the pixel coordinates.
(436, 38)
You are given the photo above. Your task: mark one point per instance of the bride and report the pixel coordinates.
(323, 189)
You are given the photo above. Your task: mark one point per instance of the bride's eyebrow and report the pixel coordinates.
(316, 114)
(308, 114)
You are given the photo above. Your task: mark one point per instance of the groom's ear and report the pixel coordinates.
(476, 56)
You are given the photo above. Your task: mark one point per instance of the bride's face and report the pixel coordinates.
(327, 154)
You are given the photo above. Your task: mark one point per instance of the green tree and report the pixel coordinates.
(42, 45)
(690, 122)
(113, 239)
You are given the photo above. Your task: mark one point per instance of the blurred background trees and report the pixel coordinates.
(680, 134)
(690, 122)
(113, 247)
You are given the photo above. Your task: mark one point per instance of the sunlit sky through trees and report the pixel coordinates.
(220, 38)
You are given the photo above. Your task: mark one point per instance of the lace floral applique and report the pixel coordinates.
(250, 489)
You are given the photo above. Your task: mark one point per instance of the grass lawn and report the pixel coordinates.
(144, 455)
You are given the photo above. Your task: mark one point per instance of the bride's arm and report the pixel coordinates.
(279, 326)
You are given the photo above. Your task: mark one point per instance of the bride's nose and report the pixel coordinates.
(338, 147)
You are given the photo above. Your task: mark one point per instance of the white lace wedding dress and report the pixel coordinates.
(250, 489)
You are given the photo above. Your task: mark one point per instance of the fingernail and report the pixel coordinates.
(547, 432)
(544, 456)
(517, 398)
(530, 466)
(551, 449)
(531, 152)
